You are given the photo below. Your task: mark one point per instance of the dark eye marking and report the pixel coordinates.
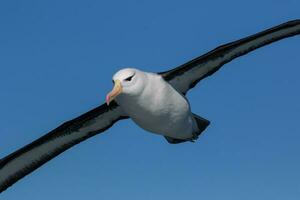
(129, 78)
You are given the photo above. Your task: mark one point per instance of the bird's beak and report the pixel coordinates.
(115, 92)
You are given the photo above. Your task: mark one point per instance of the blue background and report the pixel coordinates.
(57, 59)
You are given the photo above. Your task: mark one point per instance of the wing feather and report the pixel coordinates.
(25, 160)
(189, 74)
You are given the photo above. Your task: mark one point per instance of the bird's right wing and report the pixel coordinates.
(189, 74)
(25, 160)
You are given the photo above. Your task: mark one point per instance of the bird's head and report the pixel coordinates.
(127, 82)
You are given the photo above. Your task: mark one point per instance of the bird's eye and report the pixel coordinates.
(129, 78)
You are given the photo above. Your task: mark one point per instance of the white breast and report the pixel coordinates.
(159, 109)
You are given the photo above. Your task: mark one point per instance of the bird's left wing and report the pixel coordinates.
(189, 74)
(25, 160)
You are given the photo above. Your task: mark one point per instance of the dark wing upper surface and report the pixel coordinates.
(189, 74)
(25, 160)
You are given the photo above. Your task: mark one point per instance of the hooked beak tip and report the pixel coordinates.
(107, 100)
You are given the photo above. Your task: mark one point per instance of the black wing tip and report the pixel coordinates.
(293, 22)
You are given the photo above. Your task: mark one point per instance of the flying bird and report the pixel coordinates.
(154, 101)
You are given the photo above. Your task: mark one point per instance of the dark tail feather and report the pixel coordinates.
(201, 123)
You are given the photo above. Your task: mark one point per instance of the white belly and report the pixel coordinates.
(164, 111)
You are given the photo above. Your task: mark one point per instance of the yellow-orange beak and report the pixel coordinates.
(114, 93)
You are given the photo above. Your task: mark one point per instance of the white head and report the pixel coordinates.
(128, 81)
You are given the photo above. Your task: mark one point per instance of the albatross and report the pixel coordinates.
(154, 101)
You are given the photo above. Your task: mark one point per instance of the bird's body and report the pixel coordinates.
(159, 108)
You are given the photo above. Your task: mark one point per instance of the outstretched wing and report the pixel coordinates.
(25, 160)
(189, 74)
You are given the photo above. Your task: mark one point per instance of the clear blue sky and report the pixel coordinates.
(57, 59)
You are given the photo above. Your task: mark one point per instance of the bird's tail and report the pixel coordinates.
(201, 125)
